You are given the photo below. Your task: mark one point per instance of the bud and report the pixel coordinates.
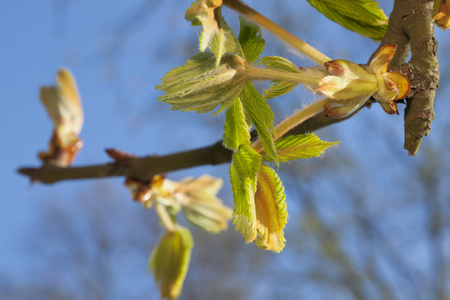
(169, 261)
(63, 105)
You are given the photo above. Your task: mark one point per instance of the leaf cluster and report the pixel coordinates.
(221, 77)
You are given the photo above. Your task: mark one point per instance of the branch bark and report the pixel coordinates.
(411, 29)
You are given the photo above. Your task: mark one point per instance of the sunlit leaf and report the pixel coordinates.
(271, 211)
(362, 16)
(236, 129)
(201, 86)
(301, 146)
(278, 63)
(279, 88)
(169, 261)
(250, 40)
(243, 172)
(261, 116)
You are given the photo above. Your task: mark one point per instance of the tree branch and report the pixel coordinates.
(411, 29)
(142, 168)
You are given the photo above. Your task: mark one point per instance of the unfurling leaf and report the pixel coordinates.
(216, 34)
(301, 146)
(200, 204)
(243, 172)
(363, 16)
(261, 116)
(250, 40)
(236, 131)
(201, 86)
(169, 261)
(271, 212)
(63, 105)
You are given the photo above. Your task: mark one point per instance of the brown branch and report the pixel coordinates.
(142, 168)
(411, 29)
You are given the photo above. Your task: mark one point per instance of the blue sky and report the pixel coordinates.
(116, 71)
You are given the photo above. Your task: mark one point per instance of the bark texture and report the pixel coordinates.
(411, 29)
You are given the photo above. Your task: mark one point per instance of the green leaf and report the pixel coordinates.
(201, 86)
(362, 16)
(243, 171)
(169, 261)
(216, 34)
(250, 40)
(278, 87)
(300, 146)
(236, 129)
(247, 161)
(261, 116)
(279, 64)
(271, 211)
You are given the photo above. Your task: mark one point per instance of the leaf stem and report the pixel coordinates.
(277, 30)
(306, 77)
(290, 122)
(164, 216)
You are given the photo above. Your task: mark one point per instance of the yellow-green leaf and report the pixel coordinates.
(300, 146)
(169, 261)
(243, 172)
(250, 40)
(201, 86)
(261, 116)
(271, 212)
(236, 129)
(362, 16)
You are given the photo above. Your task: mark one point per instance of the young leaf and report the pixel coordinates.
(201, 86)
(261, 116)
(200, 203)
(169, 261)
(300, 146)
(243, 171)
(271, 212)
(247, 162)
(216, 34)
(363, 16)
(236, 129)
(63, 105)
(278, 63)
(278, 87)
(250, 40)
